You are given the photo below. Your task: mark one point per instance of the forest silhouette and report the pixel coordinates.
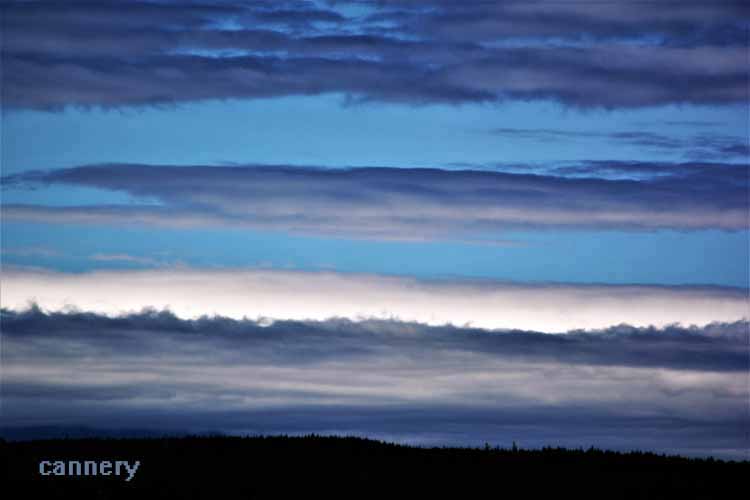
(281, 466)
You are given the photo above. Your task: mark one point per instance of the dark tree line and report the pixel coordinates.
(314, 466)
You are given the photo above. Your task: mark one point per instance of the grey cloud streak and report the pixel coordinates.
(401, 203)
(720, 347)
(672, 389)
(699, 146)
(162, 53)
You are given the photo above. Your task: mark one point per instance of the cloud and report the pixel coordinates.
(293, 295)
(667, 389)
(716, 347)
(36, 251)
(701, 146)
(406, 204)
(697, 23)
(122, 257)
(162, 53)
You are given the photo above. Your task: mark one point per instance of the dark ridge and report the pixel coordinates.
(283, 466)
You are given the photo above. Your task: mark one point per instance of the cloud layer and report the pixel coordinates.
(673, 389)
(291, 295)
(701, 146)
(400, 203)
(608, 55)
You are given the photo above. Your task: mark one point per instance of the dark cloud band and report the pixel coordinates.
(666, 389)
(400, 203)
(160, 53)
(717, 347)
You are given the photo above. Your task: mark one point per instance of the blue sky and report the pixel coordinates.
(399, 171)
(706, 257)
(323, 130)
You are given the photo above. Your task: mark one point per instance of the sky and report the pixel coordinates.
(425, 221)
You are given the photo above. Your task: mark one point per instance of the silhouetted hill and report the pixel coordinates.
(315, 466)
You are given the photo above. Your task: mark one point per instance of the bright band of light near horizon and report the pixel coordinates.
(323, 295)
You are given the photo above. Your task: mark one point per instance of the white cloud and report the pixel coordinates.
(238, 293)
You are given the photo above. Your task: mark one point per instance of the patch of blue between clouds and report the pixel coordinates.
(665, 257)
(321, 130)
